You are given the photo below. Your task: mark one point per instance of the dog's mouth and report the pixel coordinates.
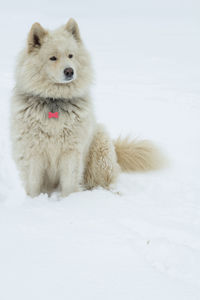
(63, 81)
(68, 80)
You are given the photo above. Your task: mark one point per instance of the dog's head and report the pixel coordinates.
(54, 62)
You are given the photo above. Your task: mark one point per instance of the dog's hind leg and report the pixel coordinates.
(102, 168)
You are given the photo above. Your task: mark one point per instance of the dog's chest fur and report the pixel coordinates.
(69, 131)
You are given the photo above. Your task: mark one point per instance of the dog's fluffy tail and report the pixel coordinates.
(134, 155)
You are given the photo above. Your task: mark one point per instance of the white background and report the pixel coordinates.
(143, 243)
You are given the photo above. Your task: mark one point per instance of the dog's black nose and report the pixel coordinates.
(69, 72)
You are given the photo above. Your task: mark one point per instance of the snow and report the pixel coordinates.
(140, 241)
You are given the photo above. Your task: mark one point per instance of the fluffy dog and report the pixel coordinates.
(56, 141)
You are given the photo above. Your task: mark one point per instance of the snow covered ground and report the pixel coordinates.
(143, 240)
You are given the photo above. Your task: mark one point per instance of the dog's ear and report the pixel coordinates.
(72, 27)
(36, 37)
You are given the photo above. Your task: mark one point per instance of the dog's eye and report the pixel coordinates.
(53, 58)
(70, 55)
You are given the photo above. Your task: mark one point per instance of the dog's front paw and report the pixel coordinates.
(32, 193)
(68, 191)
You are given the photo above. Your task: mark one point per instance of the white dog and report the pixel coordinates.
(56, 140)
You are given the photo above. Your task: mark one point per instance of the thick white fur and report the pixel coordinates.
(71, 152)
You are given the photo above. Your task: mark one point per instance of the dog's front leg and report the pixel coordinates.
(35, 176)
(71, 172)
